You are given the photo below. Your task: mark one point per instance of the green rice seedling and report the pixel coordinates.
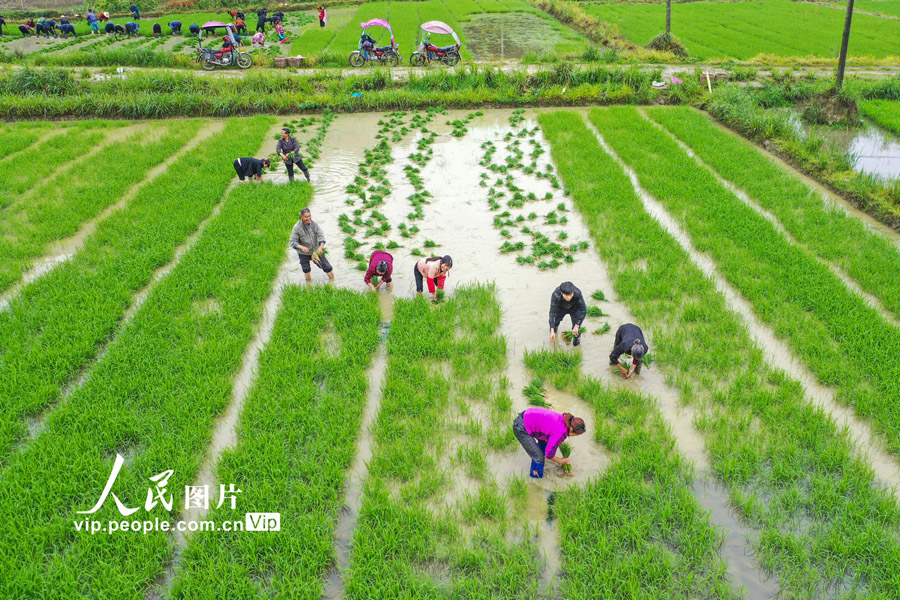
(536, 393)
(604, 329)
(566, 450)
(598, 295)
(417, 252)
(559, 367)
(392, 245)
(562, 235)
(430, 244)
(595, 311)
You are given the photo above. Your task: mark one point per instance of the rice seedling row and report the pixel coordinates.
(18, 174)
(434, 521)
(649, 535)
(865, 255)
(832, 329)
(884, 112)
(82, 300)
(297, 432)
(56, 209)
(822, 520)
(154, 400)
(882, 7)
(748, 29)
(315, 39)
(347, 39)
(15, 139)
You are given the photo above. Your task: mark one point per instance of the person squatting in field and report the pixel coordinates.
(629, 340)
(286, 146)
(541, 431)
(436, 270)
(250, 167)
(381, 265)
(308, 240)
(567, 300)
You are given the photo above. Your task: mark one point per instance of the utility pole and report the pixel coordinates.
(844, 43)
(668, 16)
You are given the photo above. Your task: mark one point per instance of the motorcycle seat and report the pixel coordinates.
(446, 48)
(383, 48)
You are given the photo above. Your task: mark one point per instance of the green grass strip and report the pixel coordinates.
(297, 432)
(884, 112)
(56, 209)
(866, 256)
(820, 517)
(845, 342)
(15, 138)
(55, 326)
(412, 540)
(648, 536)
(25, 170)
(155, 398)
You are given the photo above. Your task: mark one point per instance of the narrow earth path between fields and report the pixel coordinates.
(848, 281)
(63, 250)
(775, 352)
(49, 133)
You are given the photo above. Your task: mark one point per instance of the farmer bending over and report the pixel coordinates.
(175, 26)
(250, 167)
(381, 265)
(567, 300)
(541, 431)
(629, 340)
(309, 241)
(435, 269)
(286, 147)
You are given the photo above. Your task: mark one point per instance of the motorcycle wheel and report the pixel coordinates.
(451, 58)
(357, 59)
(207, 64)
(244, 60)
(392, 59)
(416, 59)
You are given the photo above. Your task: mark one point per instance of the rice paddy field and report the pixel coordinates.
(743, 30)
(157, 338)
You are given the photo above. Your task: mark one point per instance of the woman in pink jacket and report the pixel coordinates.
(435, 269)
(541, 431)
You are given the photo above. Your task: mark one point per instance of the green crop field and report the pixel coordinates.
(879, 7)
(743, 30)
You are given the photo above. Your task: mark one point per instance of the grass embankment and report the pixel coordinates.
(55, 209)
(795, 479)
(154, 399)
(649, 536)
(754, 114)
(434, 521)
(296, 439)
(866, 256)
(884, 112)
(58, 323)
(832, 329)
(155, 95)
(746, 30)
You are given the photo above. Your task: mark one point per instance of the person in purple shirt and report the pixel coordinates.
(536, 425)
(381, 265)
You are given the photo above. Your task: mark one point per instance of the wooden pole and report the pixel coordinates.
(844, 43)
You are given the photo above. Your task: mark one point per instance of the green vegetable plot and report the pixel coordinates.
(884, 112)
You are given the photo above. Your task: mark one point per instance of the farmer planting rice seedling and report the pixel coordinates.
(289, 150)
(381, 265)
(567, 300)
(629, 341)
(308, 239)
(435, 271)
(540, 431)
(250, 167)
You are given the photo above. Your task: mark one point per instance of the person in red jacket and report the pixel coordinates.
(323, 16)
(435, 269)
(381, 265)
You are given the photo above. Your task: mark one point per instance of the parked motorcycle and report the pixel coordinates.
(210, 58)
(428, 52)
(369, 52)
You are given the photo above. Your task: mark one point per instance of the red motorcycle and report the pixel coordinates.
(428, 52)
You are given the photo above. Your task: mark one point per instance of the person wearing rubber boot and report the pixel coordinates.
(629, 340)
(541, 431)
(567, 300)
(308, 240)
(289, 151)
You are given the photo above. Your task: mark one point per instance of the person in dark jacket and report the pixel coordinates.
(131, 28)
(195, 29)
(67, 29)
(157, 30)
(26, 30)
(629, 340)
(261, 20)
(109, 28)
(175, 26)
(287, 145)
(250, 167)
(567, 300)
(135, 12)
(2, 23)
(308, 240)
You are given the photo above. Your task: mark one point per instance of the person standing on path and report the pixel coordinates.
(323, 16)
(135, 12)
(436, 270)
(308, 240)
(381, 265)
(289, 150)
(250, 167)
(261, 20)
(567, 300)
(629, 340)
(541, 431)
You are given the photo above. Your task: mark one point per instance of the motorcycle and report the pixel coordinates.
(210, 58)
(369, 52)
(428, 52)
